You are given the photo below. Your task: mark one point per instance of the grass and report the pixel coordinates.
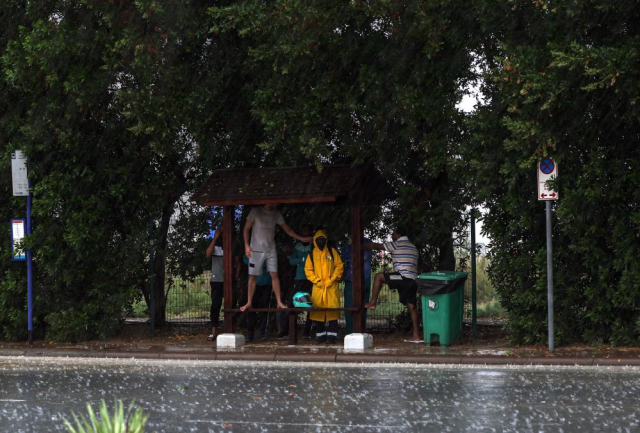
(185, 299)
(188, 299)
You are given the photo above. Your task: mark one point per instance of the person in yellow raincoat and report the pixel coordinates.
(324, 269)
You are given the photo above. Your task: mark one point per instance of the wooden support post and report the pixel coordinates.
(357, 233)
(227, 244)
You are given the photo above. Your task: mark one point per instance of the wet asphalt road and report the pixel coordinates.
(36, 394)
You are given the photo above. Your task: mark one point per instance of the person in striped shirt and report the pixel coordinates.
(404, 256)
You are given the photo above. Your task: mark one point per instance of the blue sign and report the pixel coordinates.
(547, 166)
(17, 234)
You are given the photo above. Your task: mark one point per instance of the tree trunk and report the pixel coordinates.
(159, 272)
(446, 257)
(437, 189)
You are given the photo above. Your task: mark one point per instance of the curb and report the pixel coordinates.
(346, 357)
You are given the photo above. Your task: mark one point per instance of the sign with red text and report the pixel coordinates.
(547, 170)
(17, 234)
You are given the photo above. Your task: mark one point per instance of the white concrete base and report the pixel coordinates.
(358, 341)
(230, 341)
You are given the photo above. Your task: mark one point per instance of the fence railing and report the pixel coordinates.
(190, 302)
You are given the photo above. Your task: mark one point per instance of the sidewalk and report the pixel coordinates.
(490, 347)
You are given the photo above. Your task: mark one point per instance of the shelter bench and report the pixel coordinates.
(293, 316)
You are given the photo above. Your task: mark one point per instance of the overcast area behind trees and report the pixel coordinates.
(125, 107)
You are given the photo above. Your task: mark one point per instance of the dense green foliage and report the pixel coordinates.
(124, 107)
(562, 81)
(367, 82)
(100, 106)
(13, 311)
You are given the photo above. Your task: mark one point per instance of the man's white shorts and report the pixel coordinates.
(258, 259)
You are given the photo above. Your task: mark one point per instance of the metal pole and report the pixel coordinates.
(152, 298)
(550, 275)
(474, 293)
(29, 276)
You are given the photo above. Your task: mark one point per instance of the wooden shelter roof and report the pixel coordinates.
(256, 186)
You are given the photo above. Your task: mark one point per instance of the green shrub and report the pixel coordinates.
(485, 289)
(491, 309)
(120, 422)
(140, 309)
(13, 308)
(91, 320)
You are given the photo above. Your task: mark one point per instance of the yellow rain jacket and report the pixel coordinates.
(324, 271)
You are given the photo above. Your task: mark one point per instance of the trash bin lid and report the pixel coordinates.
(443, 275)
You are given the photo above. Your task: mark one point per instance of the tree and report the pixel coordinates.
(562, 83)
(366, 82)
(13, 309)
(165, 92)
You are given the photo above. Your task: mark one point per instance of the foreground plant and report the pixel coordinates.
(119, 422)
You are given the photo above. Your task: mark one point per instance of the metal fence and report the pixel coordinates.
(189, 302)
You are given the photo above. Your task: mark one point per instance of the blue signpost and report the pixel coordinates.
(29, 276)
(20, 182)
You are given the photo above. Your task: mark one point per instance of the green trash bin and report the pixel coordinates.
(442, 294)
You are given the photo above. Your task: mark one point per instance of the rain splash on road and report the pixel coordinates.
(37, 394)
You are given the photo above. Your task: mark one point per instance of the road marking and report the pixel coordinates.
(8, 399)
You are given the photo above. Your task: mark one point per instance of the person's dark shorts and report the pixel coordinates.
(406, 287)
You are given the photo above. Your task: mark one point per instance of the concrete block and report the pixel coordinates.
(358, 341)
(231, 341)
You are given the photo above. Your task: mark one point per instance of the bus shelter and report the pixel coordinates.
(353, 186)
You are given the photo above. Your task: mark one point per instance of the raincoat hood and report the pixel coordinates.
(320, 234)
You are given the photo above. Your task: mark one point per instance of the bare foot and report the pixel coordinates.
(281, 305)
(245, 307)
(370, 306)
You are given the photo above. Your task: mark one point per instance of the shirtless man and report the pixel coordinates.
(404, 256)
(260, 247)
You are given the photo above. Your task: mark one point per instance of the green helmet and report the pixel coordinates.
(302, 300)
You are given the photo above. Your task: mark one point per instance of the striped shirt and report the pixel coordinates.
(404, 256)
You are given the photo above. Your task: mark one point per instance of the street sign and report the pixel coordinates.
(19, 173)
(20, 228)
(547, 170)
(17, 234)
